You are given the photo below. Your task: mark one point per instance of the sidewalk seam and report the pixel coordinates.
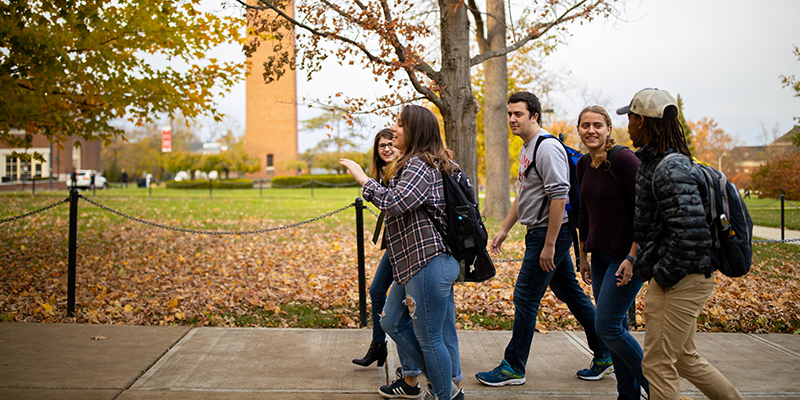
(167, 354)
(773, 345)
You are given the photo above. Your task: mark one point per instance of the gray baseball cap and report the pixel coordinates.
(651, 103)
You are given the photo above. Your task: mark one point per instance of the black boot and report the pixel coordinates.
(377, 351)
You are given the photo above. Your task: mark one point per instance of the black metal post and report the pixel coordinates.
(783, 227)
(73, 250)
(362, 275)
(149, 186)
(210, 185)
(312, 189)
(260, 188)
(33, 185)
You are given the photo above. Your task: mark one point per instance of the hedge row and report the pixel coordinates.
(299, 180)
(239, 183)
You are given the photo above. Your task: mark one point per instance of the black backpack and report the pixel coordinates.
(730, 223)
(574, 201)
(466, 236)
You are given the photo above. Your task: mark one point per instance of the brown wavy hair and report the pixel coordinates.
(424, 140)
(378, 165)
(610, 142)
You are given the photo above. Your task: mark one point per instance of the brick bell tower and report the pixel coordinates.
(271, 122)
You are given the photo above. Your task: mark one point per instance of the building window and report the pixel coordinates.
(38, 170)
(270, 163)
(11, 168)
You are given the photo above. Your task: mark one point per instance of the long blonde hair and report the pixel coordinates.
(600, 158)
(423, 139)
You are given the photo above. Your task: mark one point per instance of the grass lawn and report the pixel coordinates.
(767, 212)
(192, 209)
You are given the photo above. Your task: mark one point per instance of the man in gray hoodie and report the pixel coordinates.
(540, 206)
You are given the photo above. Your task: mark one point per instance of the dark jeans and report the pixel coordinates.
(611, 322)
(532, 282)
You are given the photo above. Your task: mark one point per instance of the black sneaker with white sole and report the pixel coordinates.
(399, 389)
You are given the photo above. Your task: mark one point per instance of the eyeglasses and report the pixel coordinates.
(384, 145)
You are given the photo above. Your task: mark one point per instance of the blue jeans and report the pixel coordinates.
(418, 316)
(532, 282)
(377, 294)
(611, 322)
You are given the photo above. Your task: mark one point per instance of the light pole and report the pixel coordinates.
(719, 162)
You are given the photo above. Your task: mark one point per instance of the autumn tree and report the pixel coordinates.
(792, 83)
(525, 72)
(687, 129)
(710, 142)
(140, 151)
(780, 175)
(395, 42)
(73, 67)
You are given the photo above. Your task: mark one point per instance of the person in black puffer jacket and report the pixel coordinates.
(674, 239)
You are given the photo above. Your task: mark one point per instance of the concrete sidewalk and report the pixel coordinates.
(775, 233)
(73, 361)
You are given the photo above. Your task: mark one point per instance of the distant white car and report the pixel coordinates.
(84, 179)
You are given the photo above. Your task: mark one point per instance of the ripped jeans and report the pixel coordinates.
(419, 313)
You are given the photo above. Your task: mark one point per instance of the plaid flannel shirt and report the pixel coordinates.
(413, 240)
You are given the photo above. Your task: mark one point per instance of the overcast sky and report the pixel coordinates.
(723, 57)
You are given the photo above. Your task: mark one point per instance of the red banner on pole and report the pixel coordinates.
(166, 139)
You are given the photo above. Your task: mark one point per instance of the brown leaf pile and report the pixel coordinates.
(129, 273)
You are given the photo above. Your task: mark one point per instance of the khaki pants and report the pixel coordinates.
(669, 350)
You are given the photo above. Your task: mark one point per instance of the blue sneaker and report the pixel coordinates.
(600, 367)
(501, 376)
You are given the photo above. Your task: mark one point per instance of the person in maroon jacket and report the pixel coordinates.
(606, 231)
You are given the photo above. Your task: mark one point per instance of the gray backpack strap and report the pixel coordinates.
(712, 193)
(723, 184)
(653, 179)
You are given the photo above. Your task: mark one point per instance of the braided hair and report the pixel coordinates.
(666, 133)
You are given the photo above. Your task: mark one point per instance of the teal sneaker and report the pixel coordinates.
(501, 376)
(600, 367)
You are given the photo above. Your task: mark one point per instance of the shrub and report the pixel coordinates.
(239, 183)
(781, 175)
(319, 180)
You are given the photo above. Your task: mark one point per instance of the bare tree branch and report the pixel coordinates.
(267, 6)
(534, 33)
(483, 43)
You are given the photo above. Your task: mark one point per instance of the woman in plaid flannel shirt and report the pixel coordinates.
(421, 300)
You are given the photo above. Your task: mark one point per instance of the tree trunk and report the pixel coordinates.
(459, 107)
(495, 122)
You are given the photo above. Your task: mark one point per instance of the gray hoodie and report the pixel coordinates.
(552, 164)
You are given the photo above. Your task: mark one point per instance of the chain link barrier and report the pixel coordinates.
(157, 225)
(320, 183)
(777, 241)
(279, 186)
(762, 205)
(221, 233)
(336, 184)
(370, 211)
(34, 212)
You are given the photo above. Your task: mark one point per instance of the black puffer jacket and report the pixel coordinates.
(673, 235)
